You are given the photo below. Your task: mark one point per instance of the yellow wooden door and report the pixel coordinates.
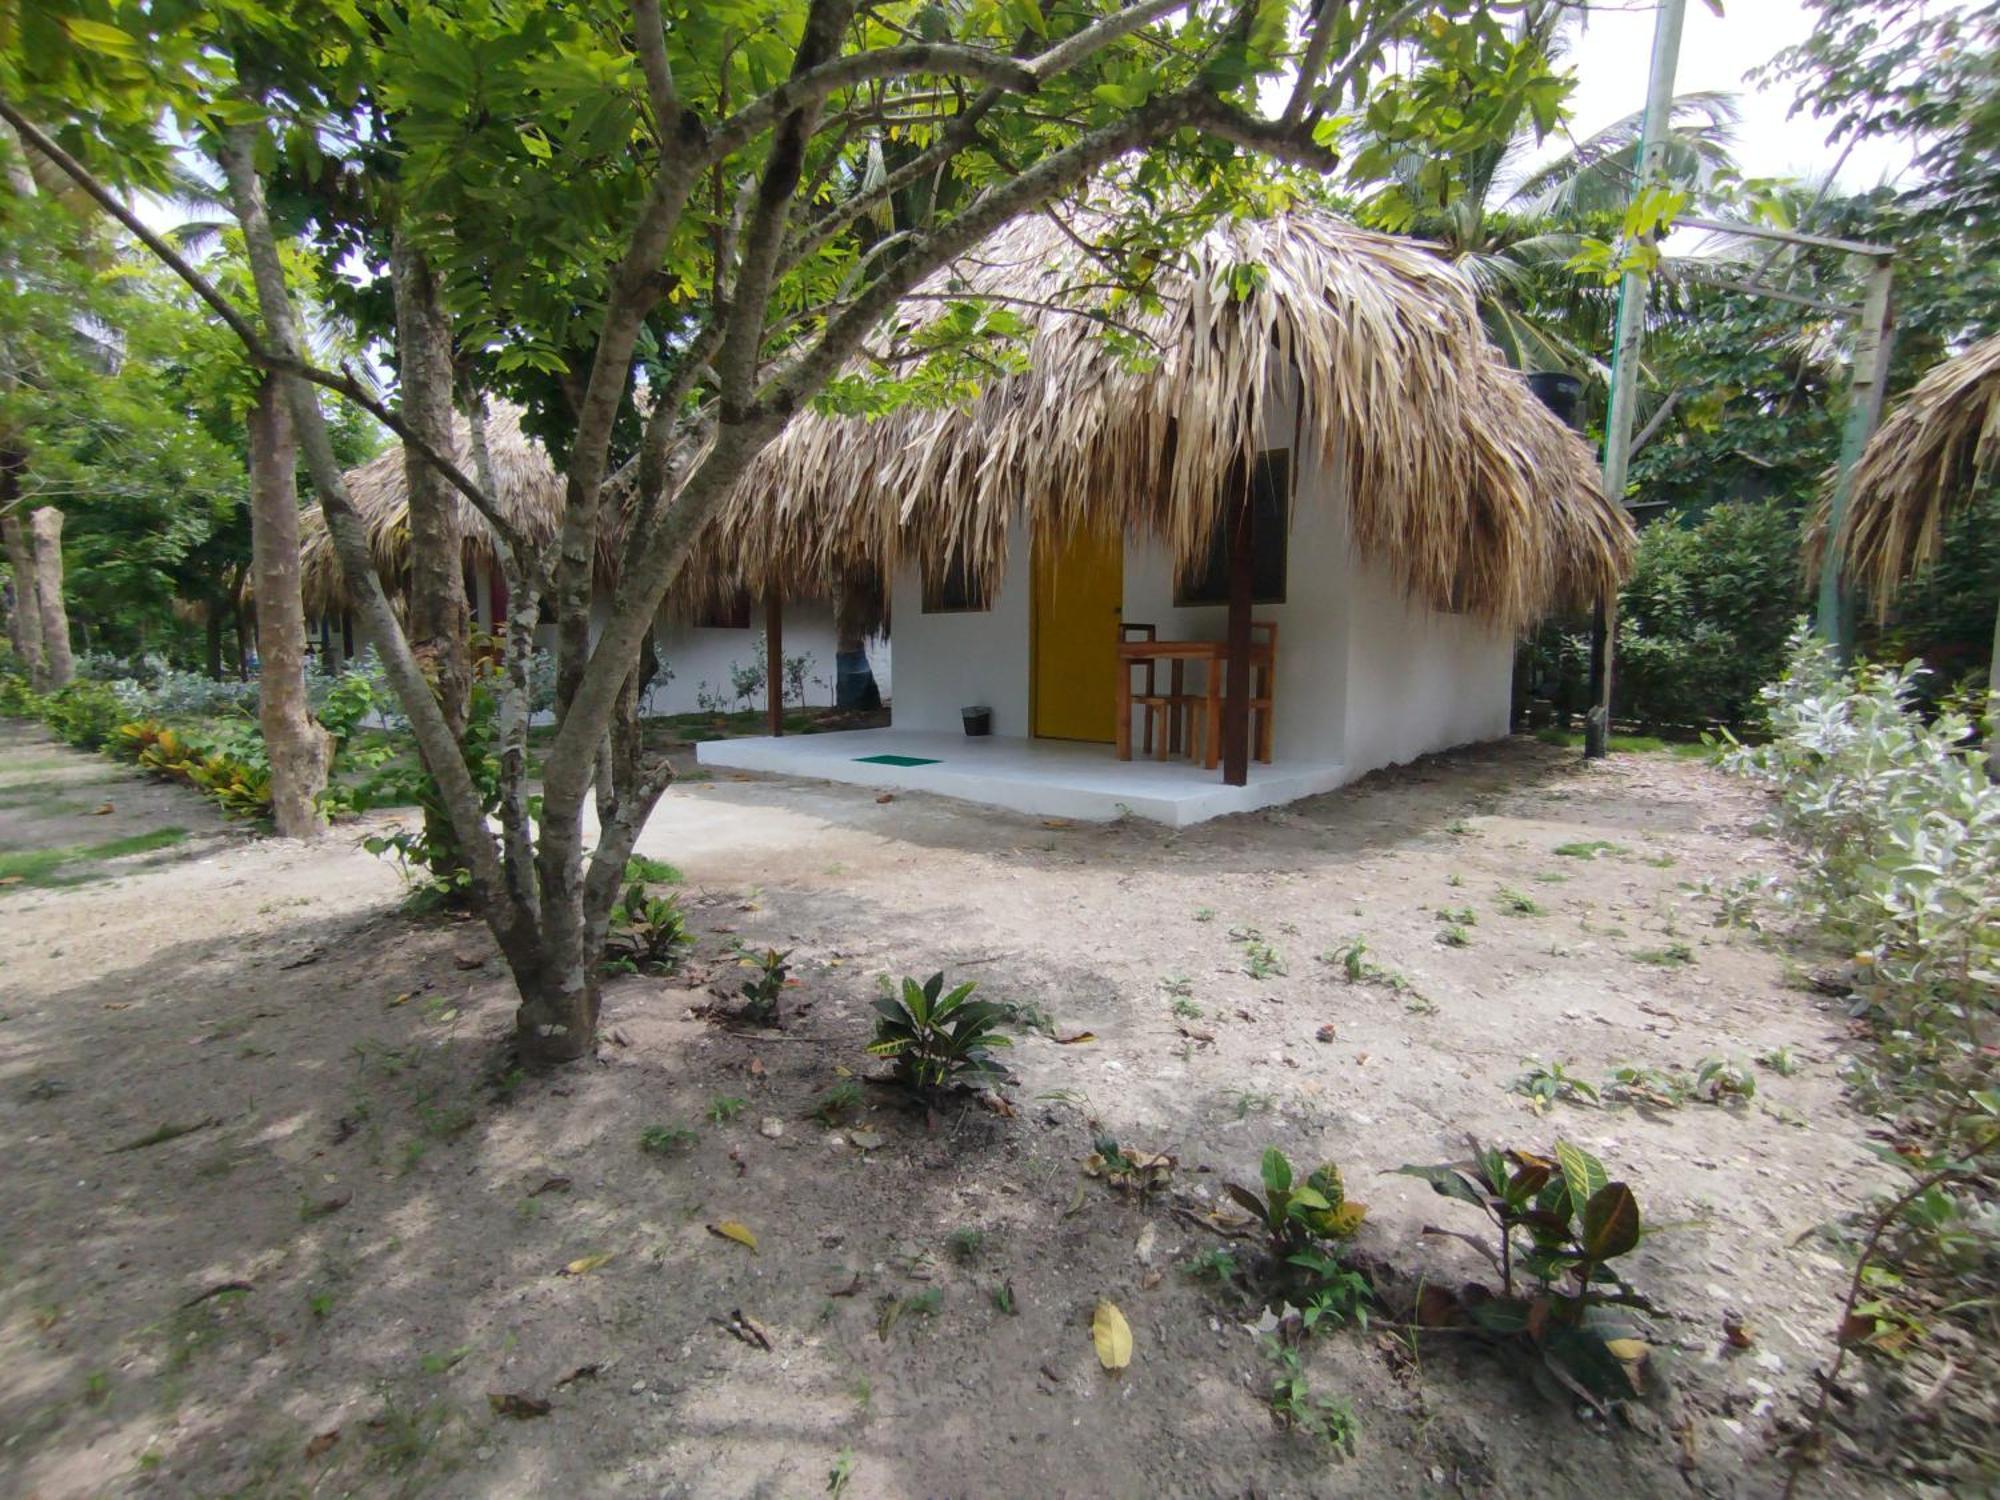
(1079, 589)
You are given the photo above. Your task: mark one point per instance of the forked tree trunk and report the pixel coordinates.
(45, 532)
(299, 748)
(24, 620)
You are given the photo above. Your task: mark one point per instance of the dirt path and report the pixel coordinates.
(319, 1288)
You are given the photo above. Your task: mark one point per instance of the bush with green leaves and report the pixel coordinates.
(86, 714)
(1896, 830)
(1895, 822)
(939, 1038)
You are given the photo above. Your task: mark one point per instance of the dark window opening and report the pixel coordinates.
(732, 613)
(1270, 515)
(953, 589)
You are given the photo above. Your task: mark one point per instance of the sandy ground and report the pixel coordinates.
(320, 1288)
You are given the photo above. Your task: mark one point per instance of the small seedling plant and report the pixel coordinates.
(939, 1039)
(1296, 1408)
(1545, 1083)
(1301, 1269)
(761, 991)
(648, 933)
(1555, 1286)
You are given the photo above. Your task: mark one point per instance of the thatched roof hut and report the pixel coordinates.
(1473, 495)
(530, 490)
(1924, 463)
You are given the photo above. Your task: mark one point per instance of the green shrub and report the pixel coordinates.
(1897, 831)
(86, 714)
(1704, 616)
(939, 1038)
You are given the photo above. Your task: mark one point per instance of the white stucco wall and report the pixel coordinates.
(1419, 679)
(700, 655)
(948, 662)
(697, 655)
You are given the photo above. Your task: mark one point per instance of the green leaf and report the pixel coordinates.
(98, 37)
(1610, 1222)
(1447, 1181)
(1583, 1174)
(1277, 1171)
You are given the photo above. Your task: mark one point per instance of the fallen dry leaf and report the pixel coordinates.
(1737, 1331)
(1326, 1033)
(581, 1372)
(469, 960)
(550, 1185)
(1112, 1336)
(731, 1229)
(514, 1404)
(886, 797)
(1151, 1279)
(321, 1442)
(583, 1265)
(102, 811)
(1071, 1041)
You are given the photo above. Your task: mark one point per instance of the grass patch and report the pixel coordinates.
(1626, 744)
(1589, 849)
(54, 867)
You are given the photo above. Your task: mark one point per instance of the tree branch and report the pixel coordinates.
(1067, 54)
(650, 35)
(1310, 64)
(813, 84)
(254, 346)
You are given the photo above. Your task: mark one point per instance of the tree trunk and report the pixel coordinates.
(299, 748)
(24, 619)
(437, 609)
(212, 628)
(45, 528)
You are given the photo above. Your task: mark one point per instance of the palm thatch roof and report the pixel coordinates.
(530, 491)
(1473, 495)
(1924, 463)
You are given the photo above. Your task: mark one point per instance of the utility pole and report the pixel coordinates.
(1833, 619)
(1625, 356)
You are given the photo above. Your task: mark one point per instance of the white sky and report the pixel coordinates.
(1611, 55)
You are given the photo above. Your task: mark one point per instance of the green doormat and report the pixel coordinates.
(896, 760)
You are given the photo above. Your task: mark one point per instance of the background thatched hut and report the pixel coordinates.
(707, 639)
(1926, 461)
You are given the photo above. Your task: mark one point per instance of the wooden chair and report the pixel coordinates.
(1263, 707)
(1155, 705)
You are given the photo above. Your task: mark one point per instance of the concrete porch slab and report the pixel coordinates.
(1049, 778)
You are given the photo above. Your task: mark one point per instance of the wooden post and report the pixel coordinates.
(774, 660)
(1236, 687)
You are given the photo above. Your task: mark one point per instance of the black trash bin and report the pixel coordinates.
(978, 721)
